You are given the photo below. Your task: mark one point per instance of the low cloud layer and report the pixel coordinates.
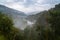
(30, 5)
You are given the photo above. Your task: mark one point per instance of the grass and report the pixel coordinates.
(2, 37)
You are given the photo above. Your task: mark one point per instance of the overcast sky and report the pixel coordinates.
(30, 5)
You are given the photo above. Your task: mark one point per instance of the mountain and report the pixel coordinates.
(40, 18)
(33, 13)
(18, 16)
(34, 17)
(43, 19)
(11, 11)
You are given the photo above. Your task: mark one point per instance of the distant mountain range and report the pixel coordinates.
(10, 11)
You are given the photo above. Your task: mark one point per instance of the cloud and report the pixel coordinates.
(30, 5)
(31, 8)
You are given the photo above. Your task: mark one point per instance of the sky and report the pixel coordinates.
(28, 6)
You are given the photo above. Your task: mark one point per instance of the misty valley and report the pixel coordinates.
(17, 25)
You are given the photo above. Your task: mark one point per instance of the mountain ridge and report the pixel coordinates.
(17, 16)
(8, 10)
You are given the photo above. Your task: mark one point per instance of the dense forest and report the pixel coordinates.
(47, 27)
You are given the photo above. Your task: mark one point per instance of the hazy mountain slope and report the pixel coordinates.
(34, 17)
(18, 16)
(42, 20)
(10, 11)
(41, 17)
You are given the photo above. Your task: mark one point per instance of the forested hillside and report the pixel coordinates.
(46, 27)
(7, 29)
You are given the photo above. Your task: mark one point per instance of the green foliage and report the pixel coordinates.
(7, 30)
(5, 24)
(54, 22)
(2, 37)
